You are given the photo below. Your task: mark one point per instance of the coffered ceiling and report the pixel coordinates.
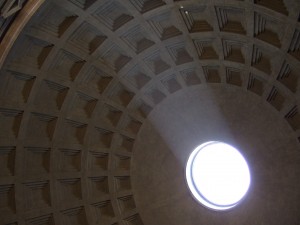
(102, 102)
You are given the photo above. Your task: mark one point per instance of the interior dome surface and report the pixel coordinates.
(102, 102)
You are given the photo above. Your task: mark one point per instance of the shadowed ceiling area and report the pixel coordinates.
(102, 101)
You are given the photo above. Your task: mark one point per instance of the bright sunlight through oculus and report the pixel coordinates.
(217, 175)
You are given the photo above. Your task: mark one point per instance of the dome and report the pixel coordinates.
(103, 101)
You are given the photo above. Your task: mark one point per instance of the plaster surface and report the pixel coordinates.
(199, 114)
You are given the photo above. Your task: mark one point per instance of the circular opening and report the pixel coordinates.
(217, 175)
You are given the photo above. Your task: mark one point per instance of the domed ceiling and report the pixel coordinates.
(103, 101)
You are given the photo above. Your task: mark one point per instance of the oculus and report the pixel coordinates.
(217, 175)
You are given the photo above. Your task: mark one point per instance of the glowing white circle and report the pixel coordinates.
(217, 175)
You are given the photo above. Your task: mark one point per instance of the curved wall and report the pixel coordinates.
(84, 77)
